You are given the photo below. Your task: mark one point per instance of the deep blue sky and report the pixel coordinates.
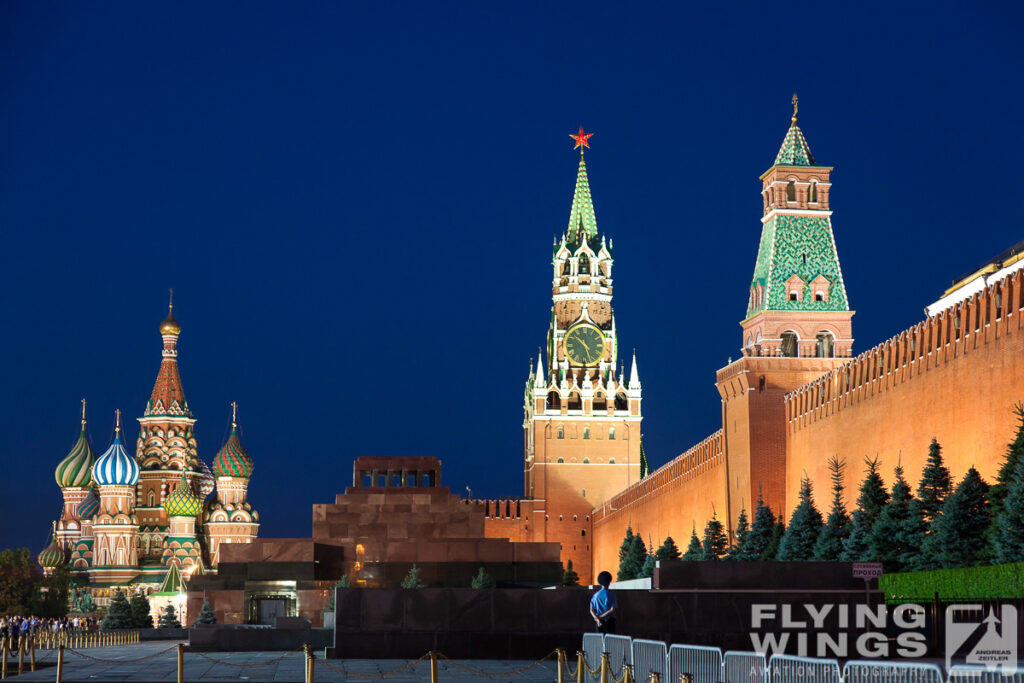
(355, 204)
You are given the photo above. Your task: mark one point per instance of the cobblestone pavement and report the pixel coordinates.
(156, 662)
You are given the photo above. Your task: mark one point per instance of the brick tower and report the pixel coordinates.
(797, 327)
(166, 446)
(582, 418)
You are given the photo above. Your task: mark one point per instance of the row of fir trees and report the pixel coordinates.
(938, 526)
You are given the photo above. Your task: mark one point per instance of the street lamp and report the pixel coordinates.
(181, 607)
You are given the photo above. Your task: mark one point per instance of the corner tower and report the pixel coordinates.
(582, 418)
(797, 326)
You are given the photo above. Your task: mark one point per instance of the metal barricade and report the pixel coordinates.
(970, 673)
(744, 667)
(876, 671)
(620, 652)
(702, 663)
(793, 669)
(593, 646)
(649, 656)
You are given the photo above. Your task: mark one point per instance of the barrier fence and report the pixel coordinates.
(20, 647)
(601, 659)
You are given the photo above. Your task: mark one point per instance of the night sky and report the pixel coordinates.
(355, 202)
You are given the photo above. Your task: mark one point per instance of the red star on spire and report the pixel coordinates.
(581, 138)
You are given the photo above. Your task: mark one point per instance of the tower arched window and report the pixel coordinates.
(611, 461)
(561, 432)
(152, 499)
(791, 191)
(789, 347)
(812, 194)
(611, 433)
(621, 403)
(561, 460)
(825, 346)
(554, 400)
(584, 264)
(586, 434)
(586, 461)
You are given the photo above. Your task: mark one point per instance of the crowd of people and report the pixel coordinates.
(17, 627)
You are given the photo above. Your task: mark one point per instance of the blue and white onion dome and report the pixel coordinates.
(116, 467)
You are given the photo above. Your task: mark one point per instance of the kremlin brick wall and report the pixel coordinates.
(954, 377)
(667, 502)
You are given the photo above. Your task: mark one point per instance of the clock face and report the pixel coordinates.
(584, 345)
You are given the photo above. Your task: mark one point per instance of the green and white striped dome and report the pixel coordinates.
(75, 470)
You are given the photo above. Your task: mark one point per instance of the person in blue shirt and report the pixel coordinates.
(603, 605)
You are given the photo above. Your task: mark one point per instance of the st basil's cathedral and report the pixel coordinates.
(133, 522)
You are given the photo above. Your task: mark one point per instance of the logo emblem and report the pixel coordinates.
(986, 639)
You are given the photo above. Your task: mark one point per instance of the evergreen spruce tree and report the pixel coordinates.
(715, 542)
(169, 618)
(888, 540)
(1008, 545)
(206, 615)
(872, 499)
(344, 582)
(735, 551)
(119, 613)
(935, 484)
(771, 552)
(829, 546)
(569, 576)
(761, 531)
(141, 618)
(695, 551)
(668, 551)
(627, 543)
(412, 579)
(804, 528)
(647, 571)
(482, 580)
(960, 529)
(635, 558)
(918, 553)
(998, 491)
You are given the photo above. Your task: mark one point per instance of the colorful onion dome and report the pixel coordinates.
(170, 325)
(75, 470)
(183, 502)
(116, 467)
(89, 506)
(207, 483)
(52, 556)
(232, 460)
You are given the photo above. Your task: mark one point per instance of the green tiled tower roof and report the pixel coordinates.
(582, 221)
(794, 150)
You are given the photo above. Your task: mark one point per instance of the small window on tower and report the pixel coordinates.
(813, 193)
(611, 461)
(586, 461)
(611, 433)
(561, 460)
(793, 296)
(818, 296)
(586, 432)
(561, 432)
(790, 191)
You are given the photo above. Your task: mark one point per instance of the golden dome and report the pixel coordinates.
(170, 325)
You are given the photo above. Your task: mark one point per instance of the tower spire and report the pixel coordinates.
(634, 376)
(83, 414)
(794, 150)
(234, 415)
(117, 423)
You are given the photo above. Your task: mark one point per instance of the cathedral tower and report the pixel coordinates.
(74, 477)
(166, 445)
(231, 518)
(116, 551)
(797, 327)
(582, 416)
